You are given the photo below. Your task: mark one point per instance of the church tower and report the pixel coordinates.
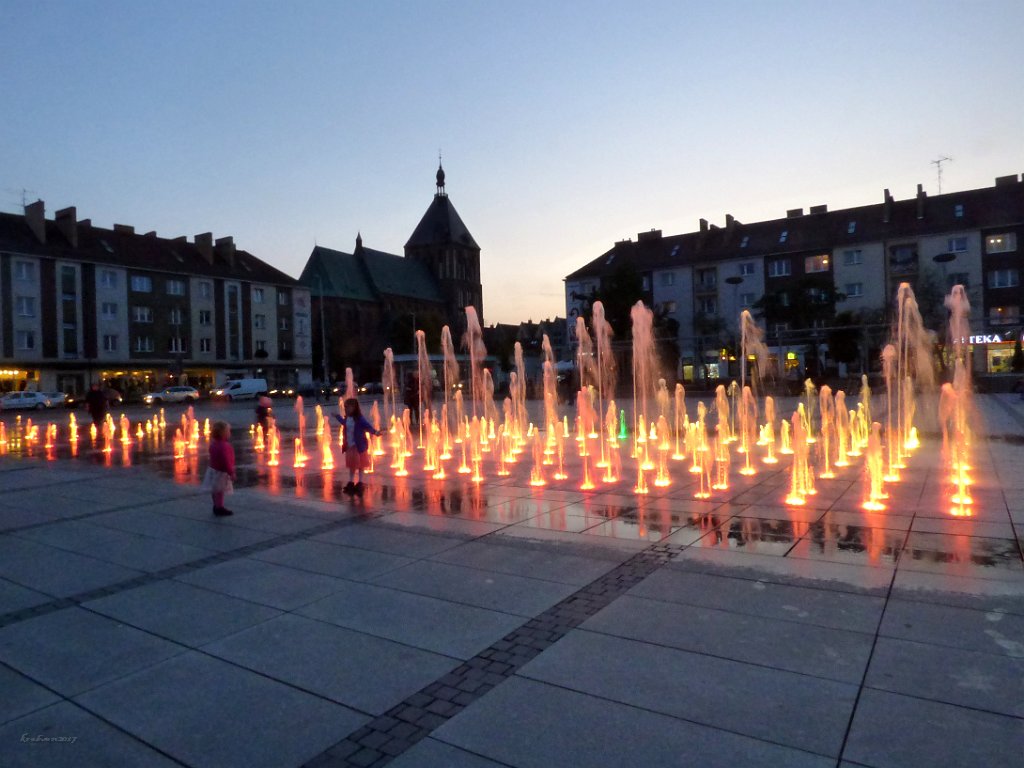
(443, 244)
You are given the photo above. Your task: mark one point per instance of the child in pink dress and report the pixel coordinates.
(220, 475)
(355, 443)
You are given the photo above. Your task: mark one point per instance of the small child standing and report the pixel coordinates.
(220, 475)
(355, 444)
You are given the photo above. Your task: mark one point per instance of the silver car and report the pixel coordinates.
(173, 395)
(13, 400)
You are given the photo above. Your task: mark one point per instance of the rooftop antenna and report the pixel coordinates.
(938, 168)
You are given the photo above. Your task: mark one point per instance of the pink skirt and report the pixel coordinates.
(355, 460)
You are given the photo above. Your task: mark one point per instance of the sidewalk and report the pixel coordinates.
(443, 623)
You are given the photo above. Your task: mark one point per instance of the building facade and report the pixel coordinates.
(808, 274)
(81, 304)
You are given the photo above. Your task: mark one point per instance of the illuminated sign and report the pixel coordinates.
(990, 338)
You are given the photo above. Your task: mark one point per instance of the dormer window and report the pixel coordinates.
(851, 227)
(744, 241)
(784, 236)
(958, 211)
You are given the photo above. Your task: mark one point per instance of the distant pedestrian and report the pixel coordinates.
(220, 475)
(97, 404)
(355, 444)
(263, 412)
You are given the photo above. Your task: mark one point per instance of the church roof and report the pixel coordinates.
(367, 275)
(441, 225)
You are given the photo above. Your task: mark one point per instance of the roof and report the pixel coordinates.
(441, 225)
(134, 251)
(998, 206)
(366, 275)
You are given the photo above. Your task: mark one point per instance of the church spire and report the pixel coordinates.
(359, 241)
(440, 177)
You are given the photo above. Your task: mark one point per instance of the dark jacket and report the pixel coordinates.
(363, 430)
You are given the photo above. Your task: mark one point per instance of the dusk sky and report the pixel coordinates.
(564, 126)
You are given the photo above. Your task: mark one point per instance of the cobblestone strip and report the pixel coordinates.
(384, 738)
(169, 573)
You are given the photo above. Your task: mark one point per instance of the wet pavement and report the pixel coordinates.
(454, 623)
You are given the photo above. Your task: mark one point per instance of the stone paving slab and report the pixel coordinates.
(366, 673)
(265, 583)
(941, 736)
(770, 704)
(206, 712)
(14, 597)
(333, 559)
(21, 695)
(66, 736)
(566, 564)
(989, 631)
(60, 573)
(73, 650)
(181, 612)
(419, 621)
(594, 732)
(431, 753)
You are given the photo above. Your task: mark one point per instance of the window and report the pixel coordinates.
(109, 343)
(283, 324)
(958, 211)
(779, 328)
(24, 270)
(143, 343)
(261, 345)
(853, 290)
(902, 259)
(1001, 243)
(816, 263)
(778, 268)
(957, 244)
(851, 227)
(282, 298)
(747, 268)
(176, 344)
(784, 236)
(205, 345)
(175, 317)
(670, 306)
(1003, 278)
(706, 279)
(818, 295)
(783, 298)
(746, 300)
(205, 317)
(257, 295)
(744, 241)
(259, 322)
(853, 257)
(26, 306)
(142, 284)
(205, 289)
(301, 325)
(818, 322)
(668, 278)
(142, 314)
(109, 310)
(708, 306)
(282, 347)
(25, 339)
(108, 278)
(1009, 315)
(645, 284)
(175, 287)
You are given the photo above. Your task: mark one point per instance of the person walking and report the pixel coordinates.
(220, 474)
(97, 404)
(355, 444)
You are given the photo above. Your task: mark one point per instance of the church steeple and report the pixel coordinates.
(359, 241)
(440, 177)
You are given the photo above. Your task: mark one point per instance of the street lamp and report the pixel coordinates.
(734, 281)
(944, 259)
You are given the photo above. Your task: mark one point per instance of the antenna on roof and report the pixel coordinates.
(938, 168)
(24, 194)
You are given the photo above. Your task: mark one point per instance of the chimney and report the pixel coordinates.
(85, 223)
(643, 237)
(921, 195)
(816, 209)
(126, 229)
(226, 250)
(794, 213)
(181, 239)
(729, 221)
(67, 223)
(1003, 181)
(150, 234)
(703, 225)
(35, 217)
(887, 208)
(204, 244)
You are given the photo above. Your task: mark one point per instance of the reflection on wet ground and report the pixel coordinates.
(917, 532)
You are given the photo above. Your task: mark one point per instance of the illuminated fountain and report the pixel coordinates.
(957, 402)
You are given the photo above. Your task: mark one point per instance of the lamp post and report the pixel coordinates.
(734, 281)
(944, 259)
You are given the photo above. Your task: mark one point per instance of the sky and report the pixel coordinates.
(563, 126)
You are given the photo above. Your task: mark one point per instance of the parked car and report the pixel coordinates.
(172, 395)
(371, 388)
(239, 389)
(57, 399)
(13, 400)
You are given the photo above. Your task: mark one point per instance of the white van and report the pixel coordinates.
(240, 389)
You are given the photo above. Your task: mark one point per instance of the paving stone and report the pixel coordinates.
(21, 695)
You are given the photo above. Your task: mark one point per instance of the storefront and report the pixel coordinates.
(998, 350)
(17, 379)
